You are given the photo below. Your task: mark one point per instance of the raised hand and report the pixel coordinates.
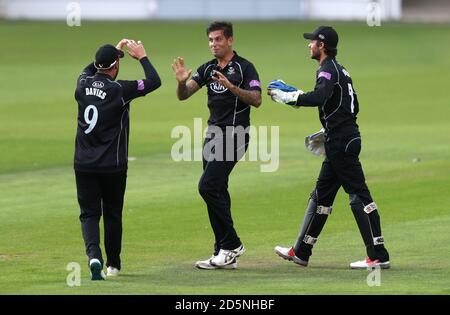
(220, 78)
(122, 43)
(181, 74)
(136, 49)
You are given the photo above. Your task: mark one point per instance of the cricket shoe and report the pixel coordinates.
(368, 263)
(206, 264)
(289, 254)
(112, 272)
(227, 256)
(96, 269)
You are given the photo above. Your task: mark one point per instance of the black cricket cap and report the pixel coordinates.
(326, 34)
(106, 57)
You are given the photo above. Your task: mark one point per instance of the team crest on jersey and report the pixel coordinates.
(98, 84)
(231, 71)
(217, 87)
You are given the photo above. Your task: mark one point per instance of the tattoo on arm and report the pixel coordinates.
(248, 97)
(184, 91)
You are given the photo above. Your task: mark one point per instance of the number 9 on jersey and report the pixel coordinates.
(90, 121)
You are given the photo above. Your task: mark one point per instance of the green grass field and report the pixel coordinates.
(401, 75)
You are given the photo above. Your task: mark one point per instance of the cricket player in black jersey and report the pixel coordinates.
(336, 99)
(101, 148)
(233, 86)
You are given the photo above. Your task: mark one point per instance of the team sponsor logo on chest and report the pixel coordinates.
(96, 92)
(217, 87)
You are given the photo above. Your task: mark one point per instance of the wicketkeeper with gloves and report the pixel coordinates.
(338, 106)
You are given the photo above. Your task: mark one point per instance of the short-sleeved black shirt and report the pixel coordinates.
(225, 108)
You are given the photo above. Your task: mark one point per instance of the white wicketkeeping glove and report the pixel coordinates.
(316, 142)
(283, 93)
(288, 98)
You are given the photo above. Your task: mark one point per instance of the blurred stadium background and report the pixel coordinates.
(390, 10)
(401, 73)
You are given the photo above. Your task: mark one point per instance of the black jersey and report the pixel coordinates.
(336, 98)
(101, 143)
(225, 108)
